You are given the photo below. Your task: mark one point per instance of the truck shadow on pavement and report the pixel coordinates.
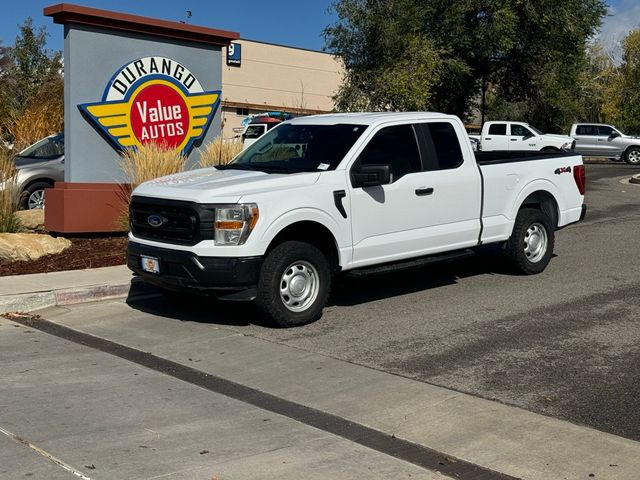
(346, 291)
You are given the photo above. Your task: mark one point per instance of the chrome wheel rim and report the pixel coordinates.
(535, 242)
(36, 200)
(634, 156)
(299, 286)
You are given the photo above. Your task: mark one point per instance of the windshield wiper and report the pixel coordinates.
(236, 166)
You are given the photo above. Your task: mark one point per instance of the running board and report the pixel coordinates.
(412, 263)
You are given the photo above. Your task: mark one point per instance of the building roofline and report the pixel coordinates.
(65, 13)
(287, 46)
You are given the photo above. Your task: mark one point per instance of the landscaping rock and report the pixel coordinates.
(31, 219)
(29, 246)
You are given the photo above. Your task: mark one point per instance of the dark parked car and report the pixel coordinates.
(39, 166)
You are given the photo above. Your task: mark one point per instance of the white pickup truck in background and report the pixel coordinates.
(518, 136)
(325, 194)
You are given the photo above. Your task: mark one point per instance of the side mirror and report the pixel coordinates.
(371, 175)
(614, 135)
(528, 136)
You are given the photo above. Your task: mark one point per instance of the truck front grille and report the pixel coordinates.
(166, 221)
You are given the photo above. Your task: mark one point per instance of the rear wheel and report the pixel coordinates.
(632, 156)
(530, 246)
(294, 284)
(32, 197)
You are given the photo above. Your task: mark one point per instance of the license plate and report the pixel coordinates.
(150, 264)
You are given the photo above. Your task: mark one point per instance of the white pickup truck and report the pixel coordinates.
(325, 194)
(518, 136)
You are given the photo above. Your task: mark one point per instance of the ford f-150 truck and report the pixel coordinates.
(599, 140)
(364, 192)
(510, 136)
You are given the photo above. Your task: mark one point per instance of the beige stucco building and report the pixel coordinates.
(275, 78)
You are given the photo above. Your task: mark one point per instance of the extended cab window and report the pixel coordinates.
(440, 146)
(394, 146)
(520, 131)
(586, 130)
(498, 129)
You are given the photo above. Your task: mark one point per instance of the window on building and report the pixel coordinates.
(243, 112)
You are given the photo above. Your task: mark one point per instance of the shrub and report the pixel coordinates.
(219, 152)
(145, 163)
(9, 195)
(35, 123)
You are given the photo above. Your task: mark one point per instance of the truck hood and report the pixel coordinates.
(554, 136)
(210, 185)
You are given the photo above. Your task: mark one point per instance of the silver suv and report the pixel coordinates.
(39, 166)
(600, 140)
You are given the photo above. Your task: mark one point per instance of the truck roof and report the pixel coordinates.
(369, 118)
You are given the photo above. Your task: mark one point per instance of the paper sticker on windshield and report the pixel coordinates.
(323, 166)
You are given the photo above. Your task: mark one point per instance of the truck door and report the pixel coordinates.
(521, 138)
(608, 145)
(496, 138)
(586, 137)
(432, 203)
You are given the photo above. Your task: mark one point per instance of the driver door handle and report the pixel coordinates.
(421, 192)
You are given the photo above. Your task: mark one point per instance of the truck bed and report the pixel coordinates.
(497, 157)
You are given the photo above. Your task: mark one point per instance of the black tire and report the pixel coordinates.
(530, 221)
(632, 156)
(31, 192)
(311, 268)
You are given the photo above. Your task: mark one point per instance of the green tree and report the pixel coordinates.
(30, 79)
(520, 52)
(629, 84)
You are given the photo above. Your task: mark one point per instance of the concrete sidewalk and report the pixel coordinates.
(21, 293)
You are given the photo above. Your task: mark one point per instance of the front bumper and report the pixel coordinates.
(232, 277)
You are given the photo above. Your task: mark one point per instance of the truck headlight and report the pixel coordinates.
(234, 223)
(567, 146)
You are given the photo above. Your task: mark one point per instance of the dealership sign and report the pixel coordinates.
(153, 99)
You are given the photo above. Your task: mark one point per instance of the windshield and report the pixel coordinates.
(534, 129)
(50, 147)
(291, 148)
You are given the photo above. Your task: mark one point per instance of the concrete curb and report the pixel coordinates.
(635, 179)
(25, 302)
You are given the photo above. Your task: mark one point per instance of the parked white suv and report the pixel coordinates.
(333, 193)
(518, 136)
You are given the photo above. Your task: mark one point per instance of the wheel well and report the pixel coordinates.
(38, 180)
(629, 148)
(550, 149)
(545, 202)
(313, 233)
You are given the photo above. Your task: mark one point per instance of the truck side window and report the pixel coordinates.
(395, 146)
(586, 130)
(498, 129)
(440, 146)
(604, 131)
(519, 130)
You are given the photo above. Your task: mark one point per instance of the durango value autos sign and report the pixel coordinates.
(153, 99)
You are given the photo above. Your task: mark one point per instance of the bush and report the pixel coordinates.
(36, 122)
(9, 195)
(219, 152)
(145, 163)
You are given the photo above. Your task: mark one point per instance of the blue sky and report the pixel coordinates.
(297, 23)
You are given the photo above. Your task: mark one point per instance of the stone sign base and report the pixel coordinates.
(85, 207)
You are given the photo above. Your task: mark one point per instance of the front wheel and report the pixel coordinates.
(530, 246)
(294, 284)
(632, 156)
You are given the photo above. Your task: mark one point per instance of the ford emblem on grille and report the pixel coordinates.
(156, 220)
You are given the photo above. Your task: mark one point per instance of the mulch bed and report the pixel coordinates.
(85, 252)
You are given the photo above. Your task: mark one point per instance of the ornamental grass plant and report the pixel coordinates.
(142, 164)
(9, 195)
(219, 152)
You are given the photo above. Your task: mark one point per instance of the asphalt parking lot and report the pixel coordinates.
(565, 344)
